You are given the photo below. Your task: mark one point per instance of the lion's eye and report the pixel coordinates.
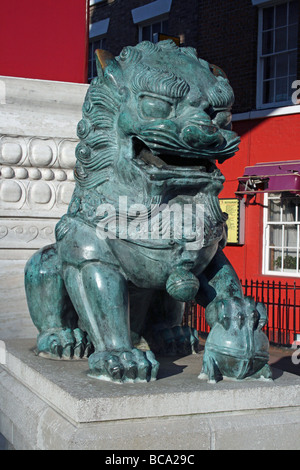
(152, 107)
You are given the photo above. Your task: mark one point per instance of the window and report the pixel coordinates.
(152, 19)
(277, 53)
(282, 234)
(148, 32)
(93, 45)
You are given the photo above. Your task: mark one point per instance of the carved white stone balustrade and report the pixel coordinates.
(38, 121)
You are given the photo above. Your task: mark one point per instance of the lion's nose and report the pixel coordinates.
(201, 135)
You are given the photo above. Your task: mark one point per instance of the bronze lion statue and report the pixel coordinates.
(144, 232)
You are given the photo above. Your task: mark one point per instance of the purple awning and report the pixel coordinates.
(270, 178)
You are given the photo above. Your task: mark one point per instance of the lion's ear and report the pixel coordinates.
(217, 71)
(108, 68)
(103, 59)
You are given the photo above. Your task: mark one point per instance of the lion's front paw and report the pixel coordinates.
(63, 343)
(123, 366)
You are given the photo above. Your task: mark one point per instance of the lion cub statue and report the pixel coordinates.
(144, 231)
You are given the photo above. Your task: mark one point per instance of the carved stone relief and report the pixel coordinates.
(37, 152)
(38, 121)
(36, 180)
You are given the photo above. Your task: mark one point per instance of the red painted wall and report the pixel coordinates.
(262, 140)
(44, 39)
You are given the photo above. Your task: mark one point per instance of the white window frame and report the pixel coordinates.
(266, 241)
(260, 59)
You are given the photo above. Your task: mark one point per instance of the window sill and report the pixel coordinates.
(99, 28)
(151, 10)
(267, 113)
(93, 2)
(281, 274)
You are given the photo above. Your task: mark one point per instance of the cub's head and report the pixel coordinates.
(156, 109)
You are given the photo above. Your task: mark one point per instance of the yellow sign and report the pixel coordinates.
(232, 208)
(164, 37)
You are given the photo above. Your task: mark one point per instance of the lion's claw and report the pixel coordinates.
(63, 343)
(124, 366)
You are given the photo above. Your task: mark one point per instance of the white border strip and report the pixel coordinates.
(93, 2)
(267, 113)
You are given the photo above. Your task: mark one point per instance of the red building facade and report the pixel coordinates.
(262, 63)
(44, 40)
(258, 47)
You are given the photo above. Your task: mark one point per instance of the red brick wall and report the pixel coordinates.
(224, 33)
(183, 19)
(228, 38)
(122, 32)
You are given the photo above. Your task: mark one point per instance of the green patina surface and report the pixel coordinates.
(155, 123)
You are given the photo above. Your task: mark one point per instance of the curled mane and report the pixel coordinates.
(97, 148)
(161, 83)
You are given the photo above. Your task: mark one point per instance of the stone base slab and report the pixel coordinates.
(54, 405)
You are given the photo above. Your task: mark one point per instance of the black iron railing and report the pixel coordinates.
(282, 300)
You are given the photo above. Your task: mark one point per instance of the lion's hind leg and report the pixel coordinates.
(51, 309)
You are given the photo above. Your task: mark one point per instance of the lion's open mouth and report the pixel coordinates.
(172, 162)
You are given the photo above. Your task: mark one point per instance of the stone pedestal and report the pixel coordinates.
(48, 404)
(38, 123)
